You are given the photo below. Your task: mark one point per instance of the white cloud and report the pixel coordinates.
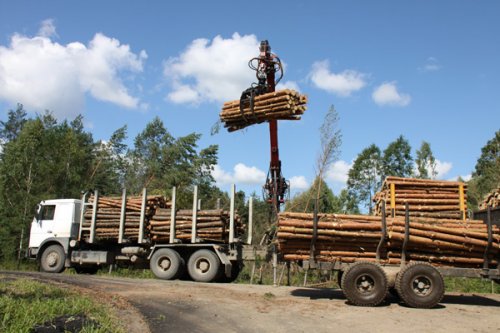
(431, 65)
(212, 70)
(288, 85)
(338, 172)
(465, 178)
(43, 74)
(387, 94)
(342, 84)
(298, 183)
(442, 168)
(47, 29)
(241, 174)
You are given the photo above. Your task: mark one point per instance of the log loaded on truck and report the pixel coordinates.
(94, 231)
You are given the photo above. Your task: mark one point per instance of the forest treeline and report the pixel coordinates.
(43, 158)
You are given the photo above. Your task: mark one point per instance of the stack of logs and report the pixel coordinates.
(107, 223)
(283, 105)
(491, 200)
(350, 238)
(425, 197)
(211, 225)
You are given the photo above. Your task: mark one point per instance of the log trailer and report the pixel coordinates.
(364, 283)
(419, 283)
(57, 242)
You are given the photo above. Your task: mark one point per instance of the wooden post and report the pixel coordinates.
(195, 214)
(94, 217)
(140, 239)
(393, 199)
(231, 214)
(250, 221)
(462, 200)
(172, 217)
(122, 216)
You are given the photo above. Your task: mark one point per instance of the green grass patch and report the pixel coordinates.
(471, 285)
(22, 265)
(25, 303)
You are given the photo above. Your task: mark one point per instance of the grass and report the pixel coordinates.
(25, 303)
(471, 285)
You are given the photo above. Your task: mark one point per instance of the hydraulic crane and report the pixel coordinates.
(266, 65)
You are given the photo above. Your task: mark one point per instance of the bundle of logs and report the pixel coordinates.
(107, 223)
(425, 198)
(283, 105)
(211, 225)
(350, 238)
(491, 200)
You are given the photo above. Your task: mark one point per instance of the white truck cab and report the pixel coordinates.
(56, 223)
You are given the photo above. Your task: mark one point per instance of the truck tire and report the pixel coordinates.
(204, 266)
(420, 285)
(364, 284)
(166, 264)
(52, 259)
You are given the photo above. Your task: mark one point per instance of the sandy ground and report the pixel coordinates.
(182, 306)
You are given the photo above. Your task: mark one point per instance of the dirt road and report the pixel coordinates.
(181, 306)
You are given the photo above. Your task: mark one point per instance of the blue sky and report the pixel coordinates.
(428, 70)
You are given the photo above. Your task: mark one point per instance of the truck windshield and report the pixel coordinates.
(48, 212)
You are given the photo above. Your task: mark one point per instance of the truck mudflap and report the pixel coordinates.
(225, 261)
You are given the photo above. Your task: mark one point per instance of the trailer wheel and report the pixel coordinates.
(203, 266)
(52, 259)
(420, 285)
(166, 264)
(364, 284)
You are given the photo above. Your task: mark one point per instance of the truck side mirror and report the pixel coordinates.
(38, 212)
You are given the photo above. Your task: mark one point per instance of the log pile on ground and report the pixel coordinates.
(425, 197)
(211, 225)
(107, 223)
(491, 200)
(350, 238)
(281, 105)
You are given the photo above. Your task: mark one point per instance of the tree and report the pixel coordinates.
(302, 201)
(364, 178)
(43, 160)
(426, 163)
(109, 165)
(10, 129)
(159, 161)
(397, 160)
(330, 140)
(486, 175)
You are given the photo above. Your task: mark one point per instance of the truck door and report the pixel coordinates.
(43, 226)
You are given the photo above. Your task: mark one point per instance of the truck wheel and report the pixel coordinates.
(364, 284)
(420, 285)
(52, 259)
(166, 264)
(203, 266)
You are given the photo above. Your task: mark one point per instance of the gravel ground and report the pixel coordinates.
(173, 306)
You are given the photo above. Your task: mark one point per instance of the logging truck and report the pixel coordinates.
(64, 234)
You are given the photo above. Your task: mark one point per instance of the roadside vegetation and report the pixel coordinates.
(26, 304)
